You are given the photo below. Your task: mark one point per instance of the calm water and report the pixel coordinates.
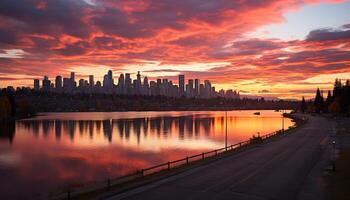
(48, 152)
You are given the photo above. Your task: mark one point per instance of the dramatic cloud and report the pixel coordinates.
(329, 34)
(204, 39)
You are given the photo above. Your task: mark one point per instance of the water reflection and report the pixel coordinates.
(124, 128)
(7, 132)
(49, 152)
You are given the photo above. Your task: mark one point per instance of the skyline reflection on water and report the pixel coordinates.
(58, 149)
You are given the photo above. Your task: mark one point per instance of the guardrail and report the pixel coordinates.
(109, 183)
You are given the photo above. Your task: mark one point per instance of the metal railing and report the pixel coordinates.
(109, 183)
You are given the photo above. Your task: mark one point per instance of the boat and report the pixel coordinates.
(257, 113)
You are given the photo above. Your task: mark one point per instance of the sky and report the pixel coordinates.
(284, 48)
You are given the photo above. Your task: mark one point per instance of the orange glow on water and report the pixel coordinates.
(101, 145)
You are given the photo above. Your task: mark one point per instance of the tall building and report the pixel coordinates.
(73, 84)
(46, 83)
(190, 88)
(182, 85)
(36, 84)
(196, 87)
(105, 81)
(207, 89)
(121, 84)
(108, 81)
(91, 81)
(138, 83)
(127, 83)
(159, 86)
(67, 83)
(145, 86)
(58, 82)
(110, 78)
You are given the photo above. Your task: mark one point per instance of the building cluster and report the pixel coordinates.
(125, 85)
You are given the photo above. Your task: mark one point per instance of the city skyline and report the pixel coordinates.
(126, 85)
(277, 48)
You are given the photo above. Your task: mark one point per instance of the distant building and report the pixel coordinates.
(121, 84)
(207, 89)
(196, 87)
(58, 82)
(91, 81)
(138, 83)
(145, 86)
(127, 83)
(46, 84)
(36, 84)
(189, 89)
(81, 83)
(182, 85)
(98, 84)
(128, 86)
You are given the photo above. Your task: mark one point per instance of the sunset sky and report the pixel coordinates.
(284, 48)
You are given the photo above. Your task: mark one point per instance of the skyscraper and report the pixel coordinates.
(73, 84)
(196, 87)
(190, 88)
(138, 83)
(207, 88)
(127, 83)
(182, 85)
(58, 82)
(91, 81)
(145, 86)
(106, 81)
(36, 84)
(46, 83)
(110, 78)
(121, 84)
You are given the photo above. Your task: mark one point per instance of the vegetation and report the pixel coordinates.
(6, 108)
(338, 103)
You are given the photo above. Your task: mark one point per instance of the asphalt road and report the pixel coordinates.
(286, 168)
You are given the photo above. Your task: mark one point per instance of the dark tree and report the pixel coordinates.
(319, 102)
(329, 101)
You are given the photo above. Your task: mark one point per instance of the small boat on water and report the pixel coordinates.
(257, 113)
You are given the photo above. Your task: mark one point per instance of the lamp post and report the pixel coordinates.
(283, 121)
(226, 130)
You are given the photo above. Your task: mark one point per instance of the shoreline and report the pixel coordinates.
(40, 114)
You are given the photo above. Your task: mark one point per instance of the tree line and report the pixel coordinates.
(336, 102)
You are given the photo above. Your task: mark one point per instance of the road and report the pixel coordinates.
(289, 167)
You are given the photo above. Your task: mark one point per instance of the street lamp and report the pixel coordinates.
(226, 130)
(282, 120)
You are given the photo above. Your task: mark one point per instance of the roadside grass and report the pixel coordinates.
(341, 178)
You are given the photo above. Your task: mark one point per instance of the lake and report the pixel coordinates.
(46, 153)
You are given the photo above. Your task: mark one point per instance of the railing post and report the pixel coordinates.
(202, 156)
(142, 172)
(216, 152)
(187, 160)
(240, 144)
(168, 165)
